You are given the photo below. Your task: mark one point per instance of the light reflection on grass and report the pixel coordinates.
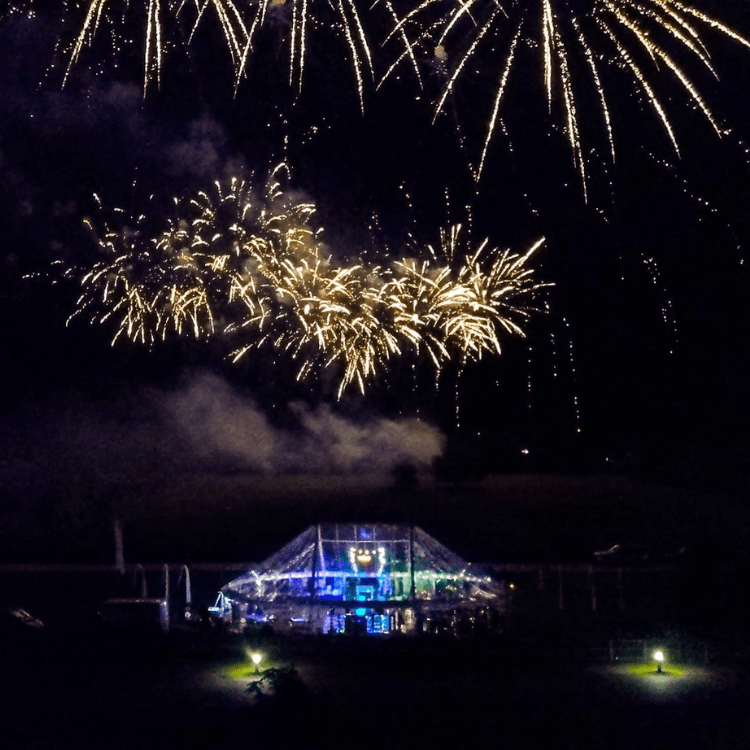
(650, 669)
(244, 669)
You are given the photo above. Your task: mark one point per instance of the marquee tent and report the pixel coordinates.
(364, 578)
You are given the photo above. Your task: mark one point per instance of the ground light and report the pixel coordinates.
(255, 657)
(646, 669)
(659, 657)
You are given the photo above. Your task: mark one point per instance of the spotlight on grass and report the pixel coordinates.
(256, 658)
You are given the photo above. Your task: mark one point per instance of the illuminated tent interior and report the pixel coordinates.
(371, 578)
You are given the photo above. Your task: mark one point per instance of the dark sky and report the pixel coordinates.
(640, 365)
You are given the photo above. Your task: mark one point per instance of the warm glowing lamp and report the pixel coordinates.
(255, 658)
(364, 557)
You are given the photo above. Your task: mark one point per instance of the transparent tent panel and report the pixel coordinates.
(364, 563)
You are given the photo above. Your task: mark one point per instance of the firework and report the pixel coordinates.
(574, 46)
(640, 38)
(248, 264)
(303, 17)
(173, 279)
(241, 26)
(157, 18)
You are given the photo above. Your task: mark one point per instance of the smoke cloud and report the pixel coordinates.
(225, 427)
(202, 427)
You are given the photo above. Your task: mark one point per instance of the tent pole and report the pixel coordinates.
(411, 572)
(313, 581)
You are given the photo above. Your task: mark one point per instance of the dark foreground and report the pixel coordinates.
(189, 689)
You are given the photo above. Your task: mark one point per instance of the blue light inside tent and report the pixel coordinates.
(378, 624)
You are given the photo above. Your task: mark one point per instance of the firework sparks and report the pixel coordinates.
(248, 264)
(575, 46)
(344, 17)
(119, 19)
(635, 37)
(241, 25)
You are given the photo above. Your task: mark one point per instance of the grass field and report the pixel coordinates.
(190, 690)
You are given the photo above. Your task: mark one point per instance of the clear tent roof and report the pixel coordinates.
(365, 562)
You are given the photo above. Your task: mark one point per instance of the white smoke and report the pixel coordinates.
(224, 427)
(220, 426)
(201, 152)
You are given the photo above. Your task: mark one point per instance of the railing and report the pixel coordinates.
(114, 567)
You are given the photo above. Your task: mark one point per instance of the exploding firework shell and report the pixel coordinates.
(248, 264)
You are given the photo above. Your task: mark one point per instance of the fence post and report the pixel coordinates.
(144, 587)
(119, 549)
(592, 587)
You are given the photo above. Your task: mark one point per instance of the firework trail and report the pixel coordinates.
(574, 45)
(248, 264)
(158, 20)
(346, 18)
(166, 23)
(579, 49)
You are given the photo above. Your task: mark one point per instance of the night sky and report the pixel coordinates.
(638, 366)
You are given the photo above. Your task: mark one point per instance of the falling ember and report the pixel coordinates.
(247, 264)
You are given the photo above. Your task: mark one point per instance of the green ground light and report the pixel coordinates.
(650, 668)
(246, 668)
(242, 670)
